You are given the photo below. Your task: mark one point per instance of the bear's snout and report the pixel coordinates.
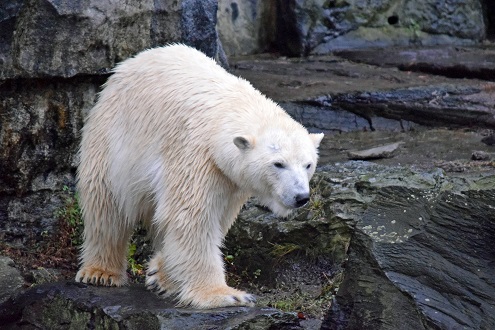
(302, 199)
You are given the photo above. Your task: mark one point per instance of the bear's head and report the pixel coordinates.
(277, 165)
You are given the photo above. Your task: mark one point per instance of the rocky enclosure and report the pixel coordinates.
(403, 242)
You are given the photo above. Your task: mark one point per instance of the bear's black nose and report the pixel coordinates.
(302, 199)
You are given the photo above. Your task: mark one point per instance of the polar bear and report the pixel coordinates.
(179, 144)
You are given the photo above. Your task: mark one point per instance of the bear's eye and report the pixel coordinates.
(308, 166)
(278, 165)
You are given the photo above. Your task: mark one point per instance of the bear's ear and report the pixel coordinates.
(316, 138)
(244, 142)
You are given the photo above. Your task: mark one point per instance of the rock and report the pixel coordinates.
(45, 275)
(244, 27)
(64, 39)
(408, 267)
(452, 166)
(295, 28)
(489, 140)
(480, 155)
(79, 306)
(454, 105)
(198, 26)
(455, 62)
(41, 120)
(386, 151)
(11, 280)
(384, 97)
(387, 37)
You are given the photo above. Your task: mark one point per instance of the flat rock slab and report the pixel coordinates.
(374, 90)
(455, 62)
(78, 306)
(386, 151)
(300, 79)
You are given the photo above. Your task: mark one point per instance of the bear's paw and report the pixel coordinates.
(158, 282)
(100, 276)
(223, 296)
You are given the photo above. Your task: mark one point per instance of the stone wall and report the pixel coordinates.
(54, 56)
(296, 27)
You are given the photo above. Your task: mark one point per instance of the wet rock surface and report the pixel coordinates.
(296, 28)
(420, 257)
(63, 38)
(454, 62)
(68, 305)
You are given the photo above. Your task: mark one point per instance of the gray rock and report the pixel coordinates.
(241, 26)
(66, 38)
(78, 306)
(385, 98)
(198, 25)
(386, 151)
(421, 257)
(11, 280)
(305, 27)
(480, 155)
(455, 62)
(39, 136)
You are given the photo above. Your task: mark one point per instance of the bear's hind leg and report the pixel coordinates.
(106, 240)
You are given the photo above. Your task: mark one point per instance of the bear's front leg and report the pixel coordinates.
(191, 267)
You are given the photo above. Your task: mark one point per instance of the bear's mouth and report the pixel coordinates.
(281, 209)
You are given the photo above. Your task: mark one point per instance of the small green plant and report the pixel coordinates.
(286, 305)
(71, 216)
(415, 29)
(237, 276)
(316, 208)
(135, 267)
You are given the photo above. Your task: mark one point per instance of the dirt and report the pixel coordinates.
(422, 147)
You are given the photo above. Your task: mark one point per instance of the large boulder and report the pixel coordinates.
(296, 27)
(422, 255)
(45, 38)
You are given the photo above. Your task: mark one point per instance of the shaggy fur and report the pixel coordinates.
(179, 144)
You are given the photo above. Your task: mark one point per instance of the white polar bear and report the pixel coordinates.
(178, 143)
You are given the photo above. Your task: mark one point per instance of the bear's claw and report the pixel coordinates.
(251, 298)
(152, 272)
(218, 297)
(97, 276)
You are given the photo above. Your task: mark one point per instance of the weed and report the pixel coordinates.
(135, 267)
(415, 30)
(70, 217)
(286, 305)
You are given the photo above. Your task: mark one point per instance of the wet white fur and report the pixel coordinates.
(158, 147)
